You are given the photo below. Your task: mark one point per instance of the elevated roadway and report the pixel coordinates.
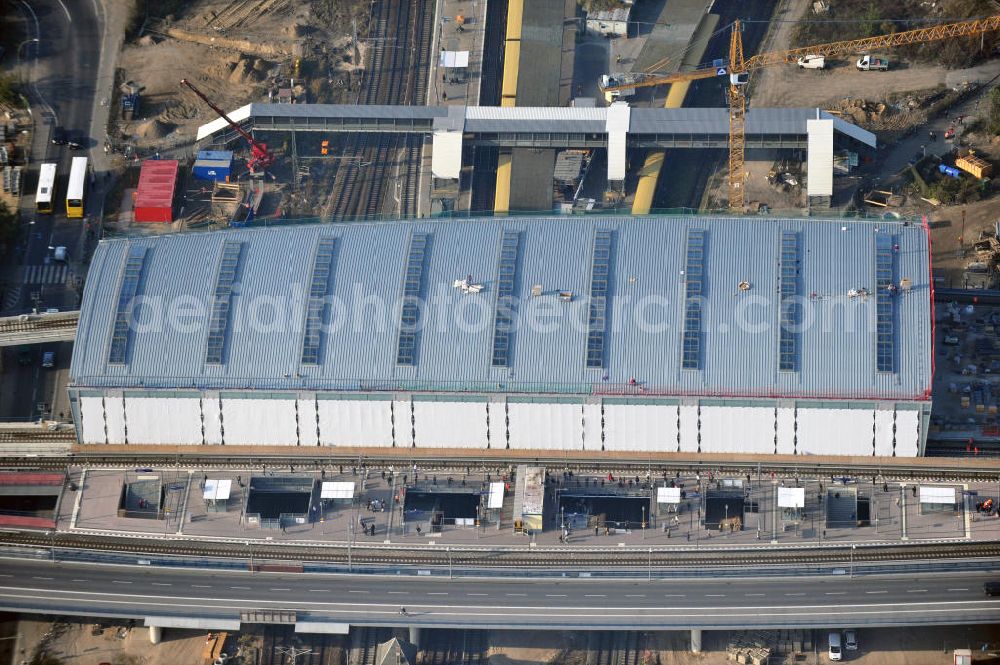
(38, 328)
(160, 596)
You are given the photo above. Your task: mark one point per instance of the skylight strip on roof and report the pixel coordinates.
(694, 267)
(406, 348)
(505, 306)
(600, 268)
(131, 275)
(218, 321)
(885, 304)
(319, 289)
(788, 288)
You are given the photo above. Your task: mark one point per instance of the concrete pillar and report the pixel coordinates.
(414, 636)
(155, 634)
(696, 640)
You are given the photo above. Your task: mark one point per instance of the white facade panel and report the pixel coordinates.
(114, 418)
(545, 426)
(726, 429)
(402, 423)
(211, 420)
(92, 417)
(785, 422)
(498, 425)
(308, 430)
(348, 422)
(640, 427)
(167, 420)
(446, 154)
(450, 424)
(593, 428)
(617, 125)
(884, 421)
(836, 431)
(907, 433)
(267, 422)
(820, 158)
(689, 428)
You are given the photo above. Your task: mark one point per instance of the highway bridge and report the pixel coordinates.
(164, 597)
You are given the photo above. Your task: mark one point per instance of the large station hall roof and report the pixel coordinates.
(726, 306)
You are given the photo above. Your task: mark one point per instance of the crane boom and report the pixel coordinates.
(919, 36)
(659, 79)
(260, 156)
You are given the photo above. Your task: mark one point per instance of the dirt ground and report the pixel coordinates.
(236, 52)
(950, 256)
(73, 644)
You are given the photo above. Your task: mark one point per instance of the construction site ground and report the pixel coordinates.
(236, 51)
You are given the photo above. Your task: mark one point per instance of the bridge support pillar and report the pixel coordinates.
(155, 634)
(414, 636)
(696, 640)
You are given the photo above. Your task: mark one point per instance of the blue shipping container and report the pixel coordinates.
(214, 169)
(949, 170)
(215, 155)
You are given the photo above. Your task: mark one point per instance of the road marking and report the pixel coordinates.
(516, 594)
(715, 595)
(68, 17)
(555, 595)
(674, 595)
(635, 595)
(437, 593)
(754, 594)
(477, 594)
(876, 592)
(42, 578)
(202, 586)
(120, 582)
(916, 591)
(6, 575)
(280, 589)
(319, 591)
(77, 580)
(400, 593)
(594, 595)
(162, 584)
(359, 592)
(240, 587)
(957, 589)
(836, 593)
(795, 594)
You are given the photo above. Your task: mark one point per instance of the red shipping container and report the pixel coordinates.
(154, 200)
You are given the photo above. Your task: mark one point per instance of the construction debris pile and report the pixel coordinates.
(755, 647)
(986, 253)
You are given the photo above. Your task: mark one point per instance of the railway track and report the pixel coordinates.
(512, 557)
(400, 34)
(453, 647)
(608, 647)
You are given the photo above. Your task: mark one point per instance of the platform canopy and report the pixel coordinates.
(791, 497)
(938, 495)
(337, 490)
(668, 495)
(454, 59)
(217, 490)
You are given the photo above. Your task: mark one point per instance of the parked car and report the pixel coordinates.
(49, 359)
(812, 62)
(835, 652)
(851, 640)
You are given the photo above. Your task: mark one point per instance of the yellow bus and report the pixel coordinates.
(77, 188)
(46, 186)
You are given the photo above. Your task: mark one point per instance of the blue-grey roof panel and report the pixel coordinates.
(836, 343)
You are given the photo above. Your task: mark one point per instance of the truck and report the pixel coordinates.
(619, 79)
(868, 63)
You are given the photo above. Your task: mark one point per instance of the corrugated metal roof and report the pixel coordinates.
(535, 119)
(156, 183)
(548, 348)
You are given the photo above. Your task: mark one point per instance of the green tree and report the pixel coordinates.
(995, 111)
(8, 91)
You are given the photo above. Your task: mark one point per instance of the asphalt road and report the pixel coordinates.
(828, 602)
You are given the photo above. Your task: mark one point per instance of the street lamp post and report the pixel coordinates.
(853, 547)
(643, 522)
(250, 549)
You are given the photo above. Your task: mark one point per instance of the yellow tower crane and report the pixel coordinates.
(739, 71)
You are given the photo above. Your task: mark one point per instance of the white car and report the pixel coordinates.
(812, 62)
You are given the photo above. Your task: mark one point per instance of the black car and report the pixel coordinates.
(992, 588)
(59, 137)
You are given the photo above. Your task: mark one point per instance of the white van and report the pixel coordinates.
(835, 652)
(812, 62)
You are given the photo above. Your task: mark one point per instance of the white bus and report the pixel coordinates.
(46, 188)
(77, 187)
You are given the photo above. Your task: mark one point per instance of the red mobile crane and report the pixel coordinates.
(260, 157)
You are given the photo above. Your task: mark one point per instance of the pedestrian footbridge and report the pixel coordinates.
(617, 128)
